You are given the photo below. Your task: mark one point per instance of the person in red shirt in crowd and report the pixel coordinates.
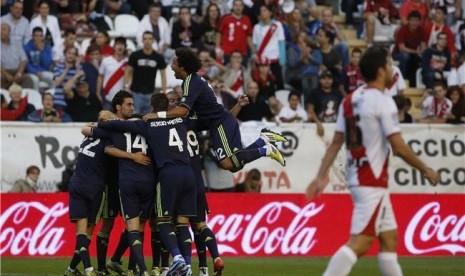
(379, 15)
(12, 114)
(414, 5)
(410, 44)
(438, 25)
(102, 39)
(266, 81)
(351, 76)
(235, 33)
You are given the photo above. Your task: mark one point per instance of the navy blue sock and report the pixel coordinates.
(257, 144)
(102, 248)
(247, 156)
(201, 248)
(77, 257)
(121, 248)
(209, 239)
(185, 242)
(136, 244)
(132, 261)
(156, 248)
(165, 256)
(82, 243)
(169, 238)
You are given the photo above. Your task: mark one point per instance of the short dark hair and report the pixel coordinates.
(441, 33)
(330, 35)
(254, 174)
(47, 94)
(400, 101)
(188, 60)
(159, 102)
(119, 98)
(148, 33)
(70, 31)
(121, 40)
(43, 2)
(92, 48)
(441, 8)
(414, 14)
(373, 59)
(154, 5)
(32, 168)
(36, 30)
(357, 50)
(293, 93)
(440, 83)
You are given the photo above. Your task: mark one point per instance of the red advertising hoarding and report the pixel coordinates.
(250, 225)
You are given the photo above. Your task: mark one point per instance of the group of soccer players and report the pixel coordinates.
(154, 172)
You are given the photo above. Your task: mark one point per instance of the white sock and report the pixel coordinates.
(341, 263)
(70, 269)
(388, 264)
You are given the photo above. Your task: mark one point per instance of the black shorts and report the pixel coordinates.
(136, 199)
(202, 204)
(176, 192)
(85, 201)
(111, 208)
(226, 139)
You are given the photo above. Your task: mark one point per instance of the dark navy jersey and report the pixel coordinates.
(193, 146)
(199, 97)
(91, 161)
(167, 138)
(128, 169)
(111, 165)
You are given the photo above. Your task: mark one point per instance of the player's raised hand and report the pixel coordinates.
(140, 158)
(243, 100)
(315, 188)
(432, 176)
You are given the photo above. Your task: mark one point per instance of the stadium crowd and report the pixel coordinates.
(295, 60)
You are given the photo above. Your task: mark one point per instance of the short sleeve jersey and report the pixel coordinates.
(234, 33)
(367, 117)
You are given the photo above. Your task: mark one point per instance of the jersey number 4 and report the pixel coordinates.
(175, 141)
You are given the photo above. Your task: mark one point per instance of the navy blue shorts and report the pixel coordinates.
(226, 139)
(176, 192)
(136, 199)
(85, 201)
(111, 208)
(202, 204)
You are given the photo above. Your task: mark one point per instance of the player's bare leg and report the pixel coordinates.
(387, 256)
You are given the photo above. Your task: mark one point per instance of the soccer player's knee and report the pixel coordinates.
(199, 226)
(229, 165)
(182, 220)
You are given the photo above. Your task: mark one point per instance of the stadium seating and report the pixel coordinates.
(126, 25)
(34, 97)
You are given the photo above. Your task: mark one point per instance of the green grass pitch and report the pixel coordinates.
(254, 266)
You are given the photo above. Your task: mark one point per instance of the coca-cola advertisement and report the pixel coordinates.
(250, 225)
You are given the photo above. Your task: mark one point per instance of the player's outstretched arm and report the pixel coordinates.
(401, 149)
(178, 111)
(137, 127)
(316, 187)
(138, 157)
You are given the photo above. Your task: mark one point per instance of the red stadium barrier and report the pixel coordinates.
(250, 225)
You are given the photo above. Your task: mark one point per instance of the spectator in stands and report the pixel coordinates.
(252, 183)
(293, 112)
(113, 7)
(19, 25)
(303, 64)
(435, 107)
(58, 7)
(326, 22)
(62, 72)
(266, 81)
(16, 96)
(438, 25)
(332, 61)
(453, 9)
(155, 23)
(236, 75)
(224, 96)
(69, 40)
(414, 5)
(461, 74)
(83, 106)
(235, 33)
(402, 108)
(12, 114)
(210, 67)
(140, 74)
(257, 109)
(307, 8)
(49, 114)
(349, 7)
(111, 72)
(461, 36)
(185, 31)
(435, 61)
(410, 44)
(28, 185)
(91, 66)
(49, 25)
(102, 39)
(380, 16)
(397, 85)
(457, 115)
(294, 25)
(39, 57)
(210, 26)
(269, 43)
(351, 77)
(323, 104)
(14, 61)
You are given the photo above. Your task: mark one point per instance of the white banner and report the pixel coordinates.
(52, 146)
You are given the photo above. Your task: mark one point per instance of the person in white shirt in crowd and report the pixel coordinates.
(49, 25)
(111, 74)
(155, 23)
(293, 112)
(236, 75)
(19, 25)
(461, 75)
(435, 106)
(397, 85)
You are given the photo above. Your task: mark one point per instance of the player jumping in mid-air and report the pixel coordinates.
(368, 122)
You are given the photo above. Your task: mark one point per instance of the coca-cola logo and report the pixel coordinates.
(38, 238)
(429, 231)
(265, 231)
